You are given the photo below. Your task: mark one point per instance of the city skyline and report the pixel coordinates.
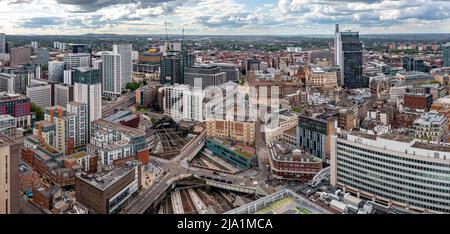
(225, 17)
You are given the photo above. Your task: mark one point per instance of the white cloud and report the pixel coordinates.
(223, 16)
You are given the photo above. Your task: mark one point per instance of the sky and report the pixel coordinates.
(223, 17)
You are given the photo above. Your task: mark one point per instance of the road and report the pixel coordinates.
(123, 102)
(176, 168)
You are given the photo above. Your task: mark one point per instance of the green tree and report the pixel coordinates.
(38, 110)
(133, 86)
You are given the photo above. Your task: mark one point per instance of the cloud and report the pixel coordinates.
(11, 2)
(94, 5)
(226, 16)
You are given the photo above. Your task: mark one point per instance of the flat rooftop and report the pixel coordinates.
(128, 130)
(400, 144)
(288, 153)
(104, 180)
(246, 151)
(281, 202)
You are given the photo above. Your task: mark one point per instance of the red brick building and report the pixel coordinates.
(418, 101)
(290, 163)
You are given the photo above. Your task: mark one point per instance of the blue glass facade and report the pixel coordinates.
(233, 157)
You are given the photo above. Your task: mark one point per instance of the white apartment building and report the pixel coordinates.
(111, 75)
(126, 62)
(110, 142)
(431, 126)
(183, 102)
(88, 90)
(392, 170)
(80, 110)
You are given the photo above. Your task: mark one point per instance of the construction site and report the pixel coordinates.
(195, 198)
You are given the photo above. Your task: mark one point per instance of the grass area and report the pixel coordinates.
(302, 210)
(276, 206)
(296, 109)
(246, 154)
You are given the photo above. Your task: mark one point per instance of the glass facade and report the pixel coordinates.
(311, 136)
(446, 52)
(88, 76)
(352, 61)
(233, 157)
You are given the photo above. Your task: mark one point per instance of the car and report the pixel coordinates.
(242, 184)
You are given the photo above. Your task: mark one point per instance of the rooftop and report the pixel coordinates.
(104, 180)
(403, 145)
(127, 130)
(285, 152)
(282, 202)
(430, 117)
(246, 151)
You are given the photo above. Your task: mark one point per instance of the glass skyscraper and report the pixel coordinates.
(446, 51)
(348, 56)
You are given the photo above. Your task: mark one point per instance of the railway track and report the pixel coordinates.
(188, 205)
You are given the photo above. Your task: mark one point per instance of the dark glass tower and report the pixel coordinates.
(352, 61)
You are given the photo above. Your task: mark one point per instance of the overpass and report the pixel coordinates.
(178, 169)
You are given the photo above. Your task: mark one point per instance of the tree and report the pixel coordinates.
(133, 86)
(38, 110)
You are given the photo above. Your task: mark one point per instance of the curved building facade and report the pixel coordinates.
(393, 170)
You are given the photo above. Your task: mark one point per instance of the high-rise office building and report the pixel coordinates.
(42, 56)
(88, 90)
(80, 48)
(63, 94)
(314, 134)
(35, 44)
(69, 76)
(207, 75)
(393, 170)
(348, 56)
(9, 176)
(20, 55)
(231, 70)
(172, 67)
(40, 94)
(446, 52)
(2, 43)
(73, 60)
(126, 62)
(111, 73)
(56, 70)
